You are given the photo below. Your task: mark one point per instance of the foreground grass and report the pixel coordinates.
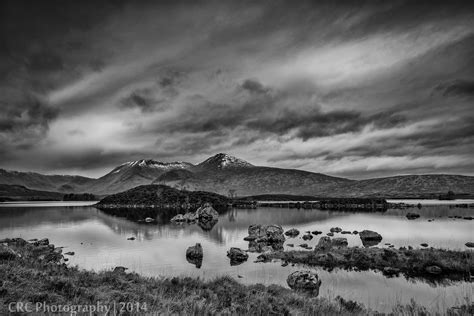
(37, 273)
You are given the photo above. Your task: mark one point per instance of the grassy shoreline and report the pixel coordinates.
(36, 272)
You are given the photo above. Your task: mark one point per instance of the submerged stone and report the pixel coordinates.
(412, 216)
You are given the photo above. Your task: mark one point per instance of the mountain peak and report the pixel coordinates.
(151, 164)
(224, 161)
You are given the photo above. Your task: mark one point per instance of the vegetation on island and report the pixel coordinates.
(80, 197)
(163, 197)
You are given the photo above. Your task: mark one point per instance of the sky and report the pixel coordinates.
(349, 88)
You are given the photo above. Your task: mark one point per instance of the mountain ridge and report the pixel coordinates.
(228, 175)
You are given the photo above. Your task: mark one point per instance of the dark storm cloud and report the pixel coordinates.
(344, 87)
(42, 45)
(24, 122)
(456, 88)
(266, 110)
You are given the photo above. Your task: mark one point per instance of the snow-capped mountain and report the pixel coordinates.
(224, 161)
(152, 164)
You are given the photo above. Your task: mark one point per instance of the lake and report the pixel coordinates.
(100, 242)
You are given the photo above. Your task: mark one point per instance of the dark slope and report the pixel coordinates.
(22, 193)
(409, 186)
(37, 181)
(255, 180)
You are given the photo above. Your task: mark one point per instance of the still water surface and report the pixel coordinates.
(100, 242)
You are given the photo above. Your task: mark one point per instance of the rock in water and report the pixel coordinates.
(292, 232)
(207, 213)
(335, 230)
(194, 255)
(307, 237)
(306, 281)
(237, 256)
(413, 215)
(267, 237)
(470, 244)
(370, 238)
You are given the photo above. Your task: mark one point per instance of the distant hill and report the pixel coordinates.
(428, 186)
(37, 181)
(231, 176)
(22, 193)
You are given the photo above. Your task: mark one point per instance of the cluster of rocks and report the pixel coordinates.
(205, 216)
(265, 238)
(369, 238)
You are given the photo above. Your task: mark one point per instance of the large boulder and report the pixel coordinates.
(370, 238)
(306, 281)
(335, 230)
(292, 232)
(237, 256)
(194, 255)
(207, 213)
(265, 237)
(470, 244)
